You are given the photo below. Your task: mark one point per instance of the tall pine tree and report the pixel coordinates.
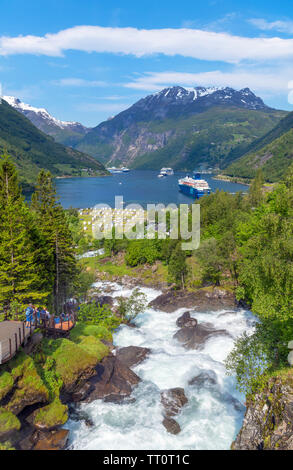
(21, 278)
(58, 246)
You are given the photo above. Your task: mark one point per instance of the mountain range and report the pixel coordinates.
(182, 128)
(64, 132)
(178, 127)
(32, 149)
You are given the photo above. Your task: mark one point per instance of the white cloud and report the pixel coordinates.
(258, 80)
(279, 25)
(195, 43)
(79, 82)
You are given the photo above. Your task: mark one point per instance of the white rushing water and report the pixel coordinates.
(213, 414)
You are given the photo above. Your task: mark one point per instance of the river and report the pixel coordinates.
(137, 186)
(214, 412)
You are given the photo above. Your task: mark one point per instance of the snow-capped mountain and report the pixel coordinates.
(195, 98)
(65, 132)
(181, 127)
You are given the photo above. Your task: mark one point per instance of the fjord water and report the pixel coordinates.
(137, 186)
(214, 412)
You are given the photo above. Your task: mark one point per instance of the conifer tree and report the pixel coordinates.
(177, 267)
(58, 243)
(20, 273)
(256, 194)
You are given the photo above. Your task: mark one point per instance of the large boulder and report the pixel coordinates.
(186, 320)
(8, 423)
(104, 300)
(28, 388)
(204, 379)
(132, 355)
(173, 400)
(268, 421)
(75, 363)
(113, 381)
(195, 337)
(202, 299)
(171, 425)
(49, 417)
(54, 440)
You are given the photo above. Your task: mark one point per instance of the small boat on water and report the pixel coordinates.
(114, 170)
(165, 172)
(195, 187)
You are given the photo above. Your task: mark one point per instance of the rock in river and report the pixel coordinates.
(186, 320)
(113, 382)
(173, 400)
(202, 299)
(204, 379)
(171, 425)
(194, 337)
(132, 355)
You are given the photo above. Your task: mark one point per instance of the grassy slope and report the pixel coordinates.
(31, 149)
(207, 137)
(273, 153)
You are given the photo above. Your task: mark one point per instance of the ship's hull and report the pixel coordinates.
(193, 192)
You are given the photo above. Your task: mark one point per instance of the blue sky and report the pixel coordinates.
(88, 60)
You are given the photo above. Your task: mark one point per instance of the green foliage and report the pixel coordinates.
(8, 422)
(82, 284)
(208, 137)
(70, 359)
(177, 267)
(6, 384)
(130, 307)
(272, 153)
(92, 314)
(143, 252)
(21, 279)
(51, 416)
(248, 361)
(265, 266)
(256, 195)
(32, 150)
(83, 329)
(29, 382)
(6, 446)
(58, 244)
(93, 346)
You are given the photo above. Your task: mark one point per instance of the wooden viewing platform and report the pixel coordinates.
(14, 334)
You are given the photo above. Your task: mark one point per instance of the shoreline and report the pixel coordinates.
(231, 179)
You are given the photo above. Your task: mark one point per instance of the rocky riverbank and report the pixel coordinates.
(57, 379)
(268, 421)
(201, 299)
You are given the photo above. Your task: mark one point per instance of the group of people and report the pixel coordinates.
(40, 316)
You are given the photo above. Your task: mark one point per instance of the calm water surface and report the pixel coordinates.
(137, 186)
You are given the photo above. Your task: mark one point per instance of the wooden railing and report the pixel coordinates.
(54, 323)
(16, 336)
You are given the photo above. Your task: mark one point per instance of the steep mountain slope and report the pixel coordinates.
(31, 149)
(181, 128)
(64, 132)
(273, 153)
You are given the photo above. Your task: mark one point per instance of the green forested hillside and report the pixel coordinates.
(208, 138)
(183, 142)
(273, 153)
(32, 150)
